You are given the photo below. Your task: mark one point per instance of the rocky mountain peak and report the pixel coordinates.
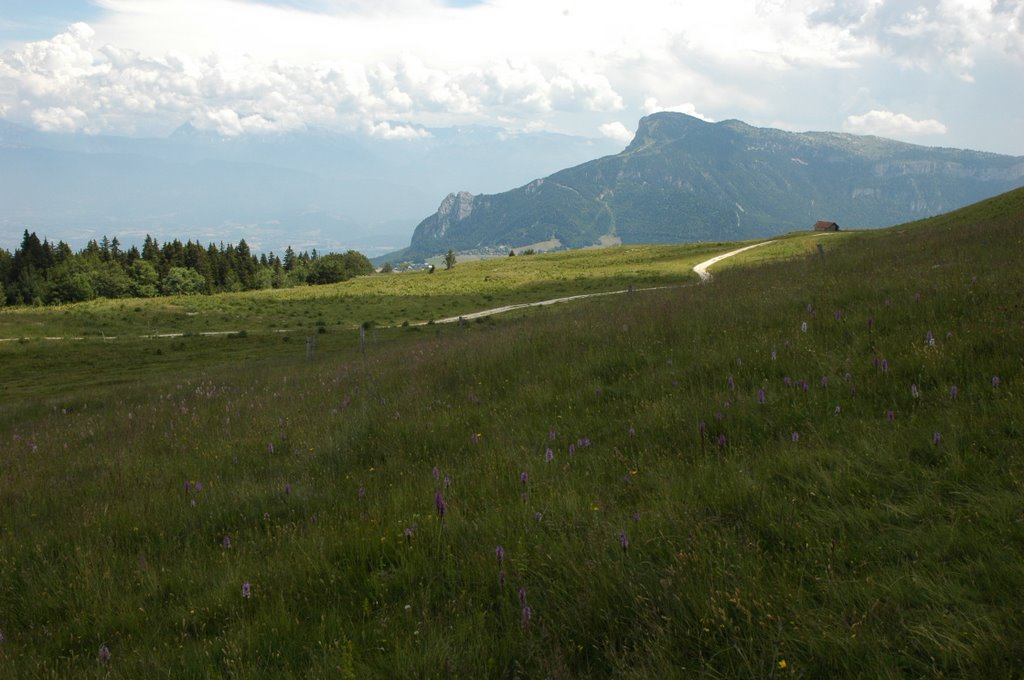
(454, 208)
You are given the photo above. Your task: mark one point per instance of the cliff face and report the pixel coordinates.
(683, 179)
(454, 208)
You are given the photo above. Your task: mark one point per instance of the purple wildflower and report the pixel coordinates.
(839, 315)
(475, 438)
(584, 442)
(774, 355)
(636, 517)
(914, 392)
(572, 449)
(885, 365)
(437, 473)
(447, 481)
(361, 492)
(270, 447)
(551, 435)
(499, 553)
(995, 381)
(787, 381)
(441, 506)
(760, 396)
(953, 392)
(527, 615)
(409, 532)
(824, 381)
(524, 477)
(623, 540)
(810, 307)
(936, 438)
(522, 596)
(795, 436)
(739, 361)
(930, 339)
(890, 415)
(104, 654)
(721, 440)
(549, 456)
(804, 385)
(702, 428)
(226, 542)
(871, 323)
(287, 489)
(731, 383)
(632, 431)
(246, 590)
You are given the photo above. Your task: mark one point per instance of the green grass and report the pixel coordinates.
(384, 299)
(861, 550)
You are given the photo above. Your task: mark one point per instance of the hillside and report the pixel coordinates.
(810, 467)
(682, 179)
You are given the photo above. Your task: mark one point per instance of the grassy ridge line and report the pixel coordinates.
(861, 547)
(385, 300)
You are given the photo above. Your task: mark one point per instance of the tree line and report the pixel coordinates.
(41, 272)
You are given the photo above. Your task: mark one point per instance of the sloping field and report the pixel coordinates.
(811, 466)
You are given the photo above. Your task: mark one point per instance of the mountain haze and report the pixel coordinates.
(307, 188)
(683, 179)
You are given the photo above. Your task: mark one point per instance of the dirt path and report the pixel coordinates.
(700, 269)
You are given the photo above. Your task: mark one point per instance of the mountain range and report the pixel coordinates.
(683, 179)
(308, 188)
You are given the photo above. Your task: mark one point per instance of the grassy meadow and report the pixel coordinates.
(810, 467)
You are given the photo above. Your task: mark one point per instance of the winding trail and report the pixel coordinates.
(700, 269)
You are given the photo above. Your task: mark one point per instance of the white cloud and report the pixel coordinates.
(651, 105)
(616, 131)
(390, 131)
(245, 65)
(238, 93)
(889, 124)
(56, 119)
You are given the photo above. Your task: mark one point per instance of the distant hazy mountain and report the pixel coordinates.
(683, 179)
(309, 189)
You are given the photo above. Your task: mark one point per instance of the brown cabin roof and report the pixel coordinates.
(825, 225)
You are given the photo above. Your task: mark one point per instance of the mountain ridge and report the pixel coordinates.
(684, 179)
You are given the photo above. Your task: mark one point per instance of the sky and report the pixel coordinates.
(941, 72)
